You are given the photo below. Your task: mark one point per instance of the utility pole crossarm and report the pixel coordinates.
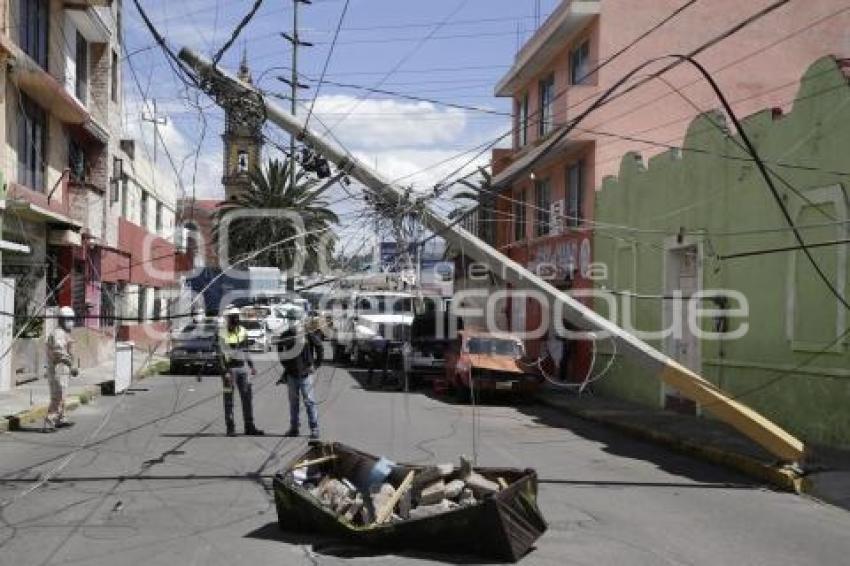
(750, 423)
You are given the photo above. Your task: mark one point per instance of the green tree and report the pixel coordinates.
(278, 235)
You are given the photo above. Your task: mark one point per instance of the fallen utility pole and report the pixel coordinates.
(747, 421)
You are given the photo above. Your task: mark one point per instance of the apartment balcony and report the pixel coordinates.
(88, 21)
(541, 154)
(569, 19)
(45, 89)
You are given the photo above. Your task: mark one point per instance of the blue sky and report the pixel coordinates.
(469, 45)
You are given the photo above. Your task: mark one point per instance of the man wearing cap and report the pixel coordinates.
(234, 359)
(60, 368)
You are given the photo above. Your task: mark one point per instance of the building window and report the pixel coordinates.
(575, 193)
(114, 77)
(523, 120)
(143, 308)
(118, 178)
(547, 100)
(542, 213)
(242, 161)
(580, 63)
(107, 304)
(34, 24)
(519, 217)
(143, 210)
(32, 144)
(159, 217)
(157, 304)
(82, 62)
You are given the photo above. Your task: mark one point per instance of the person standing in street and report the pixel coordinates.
(60, 368)
(301, 354)
(234, 359)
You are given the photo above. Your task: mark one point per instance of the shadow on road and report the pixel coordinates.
(620, 444)
(334, 548)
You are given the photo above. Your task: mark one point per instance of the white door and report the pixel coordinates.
(7, 326)
(684, 345)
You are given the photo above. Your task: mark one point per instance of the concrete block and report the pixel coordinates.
(480, 485)
(433, 493)
(454, 489)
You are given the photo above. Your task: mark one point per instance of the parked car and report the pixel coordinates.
(374, 320)
(282, 318)
(258, 335)
(195, 346)
(430, 337)
(489, 361)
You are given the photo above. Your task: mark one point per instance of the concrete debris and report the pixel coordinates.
(423, 493)
(454, 489)
(430, 510)
(446, 470)
(432, 494)
(467, 498)
(480, 485)
(384, 494)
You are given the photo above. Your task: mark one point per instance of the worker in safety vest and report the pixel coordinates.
(60, 368)
(234, 359)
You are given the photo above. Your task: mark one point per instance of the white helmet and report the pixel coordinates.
(231, 311)
(66, 312)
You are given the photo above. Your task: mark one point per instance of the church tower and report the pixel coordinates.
(243, 141)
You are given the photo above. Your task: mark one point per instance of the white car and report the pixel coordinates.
(373, 320)
(282, 318)
(258, 335)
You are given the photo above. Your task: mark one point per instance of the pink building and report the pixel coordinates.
(547, 181)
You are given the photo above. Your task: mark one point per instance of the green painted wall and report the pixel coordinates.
(711, 192)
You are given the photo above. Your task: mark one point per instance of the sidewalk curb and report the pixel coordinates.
(779, 477)
(36, 414)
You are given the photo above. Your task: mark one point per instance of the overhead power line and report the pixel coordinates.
(237, 30)
(327, 63)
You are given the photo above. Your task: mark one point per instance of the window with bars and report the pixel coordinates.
(107, 304)
(547, 105)
(519, 217)
(575, 194)
(542, 220)
(143, 307)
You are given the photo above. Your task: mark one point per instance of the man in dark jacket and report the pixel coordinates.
(300, 356)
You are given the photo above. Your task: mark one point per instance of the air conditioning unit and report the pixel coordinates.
(557, 222)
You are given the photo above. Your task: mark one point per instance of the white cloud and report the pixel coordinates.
(182, 148)
(382, 124)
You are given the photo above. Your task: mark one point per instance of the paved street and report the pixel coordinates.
(158, 483)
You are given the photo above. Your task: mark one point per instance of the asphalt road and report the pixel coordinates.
(149, 478)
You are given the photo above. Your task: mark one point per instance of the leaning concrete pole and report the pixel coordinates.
(750, 423)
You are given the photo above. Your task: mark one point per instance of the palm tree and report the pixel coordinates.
(277, 235)
(477, 196)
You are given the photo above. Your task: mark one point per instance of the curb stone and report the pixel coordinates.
(91, 392)
(779, 477)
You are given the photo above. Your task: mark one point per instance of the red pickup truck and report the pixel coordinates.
(489, 361)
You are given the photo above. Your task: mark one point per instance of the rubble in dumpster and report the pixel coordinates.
(336, 491)
(428, 492)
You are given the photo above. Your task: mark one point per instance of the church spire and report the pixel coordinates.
(244, 72)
